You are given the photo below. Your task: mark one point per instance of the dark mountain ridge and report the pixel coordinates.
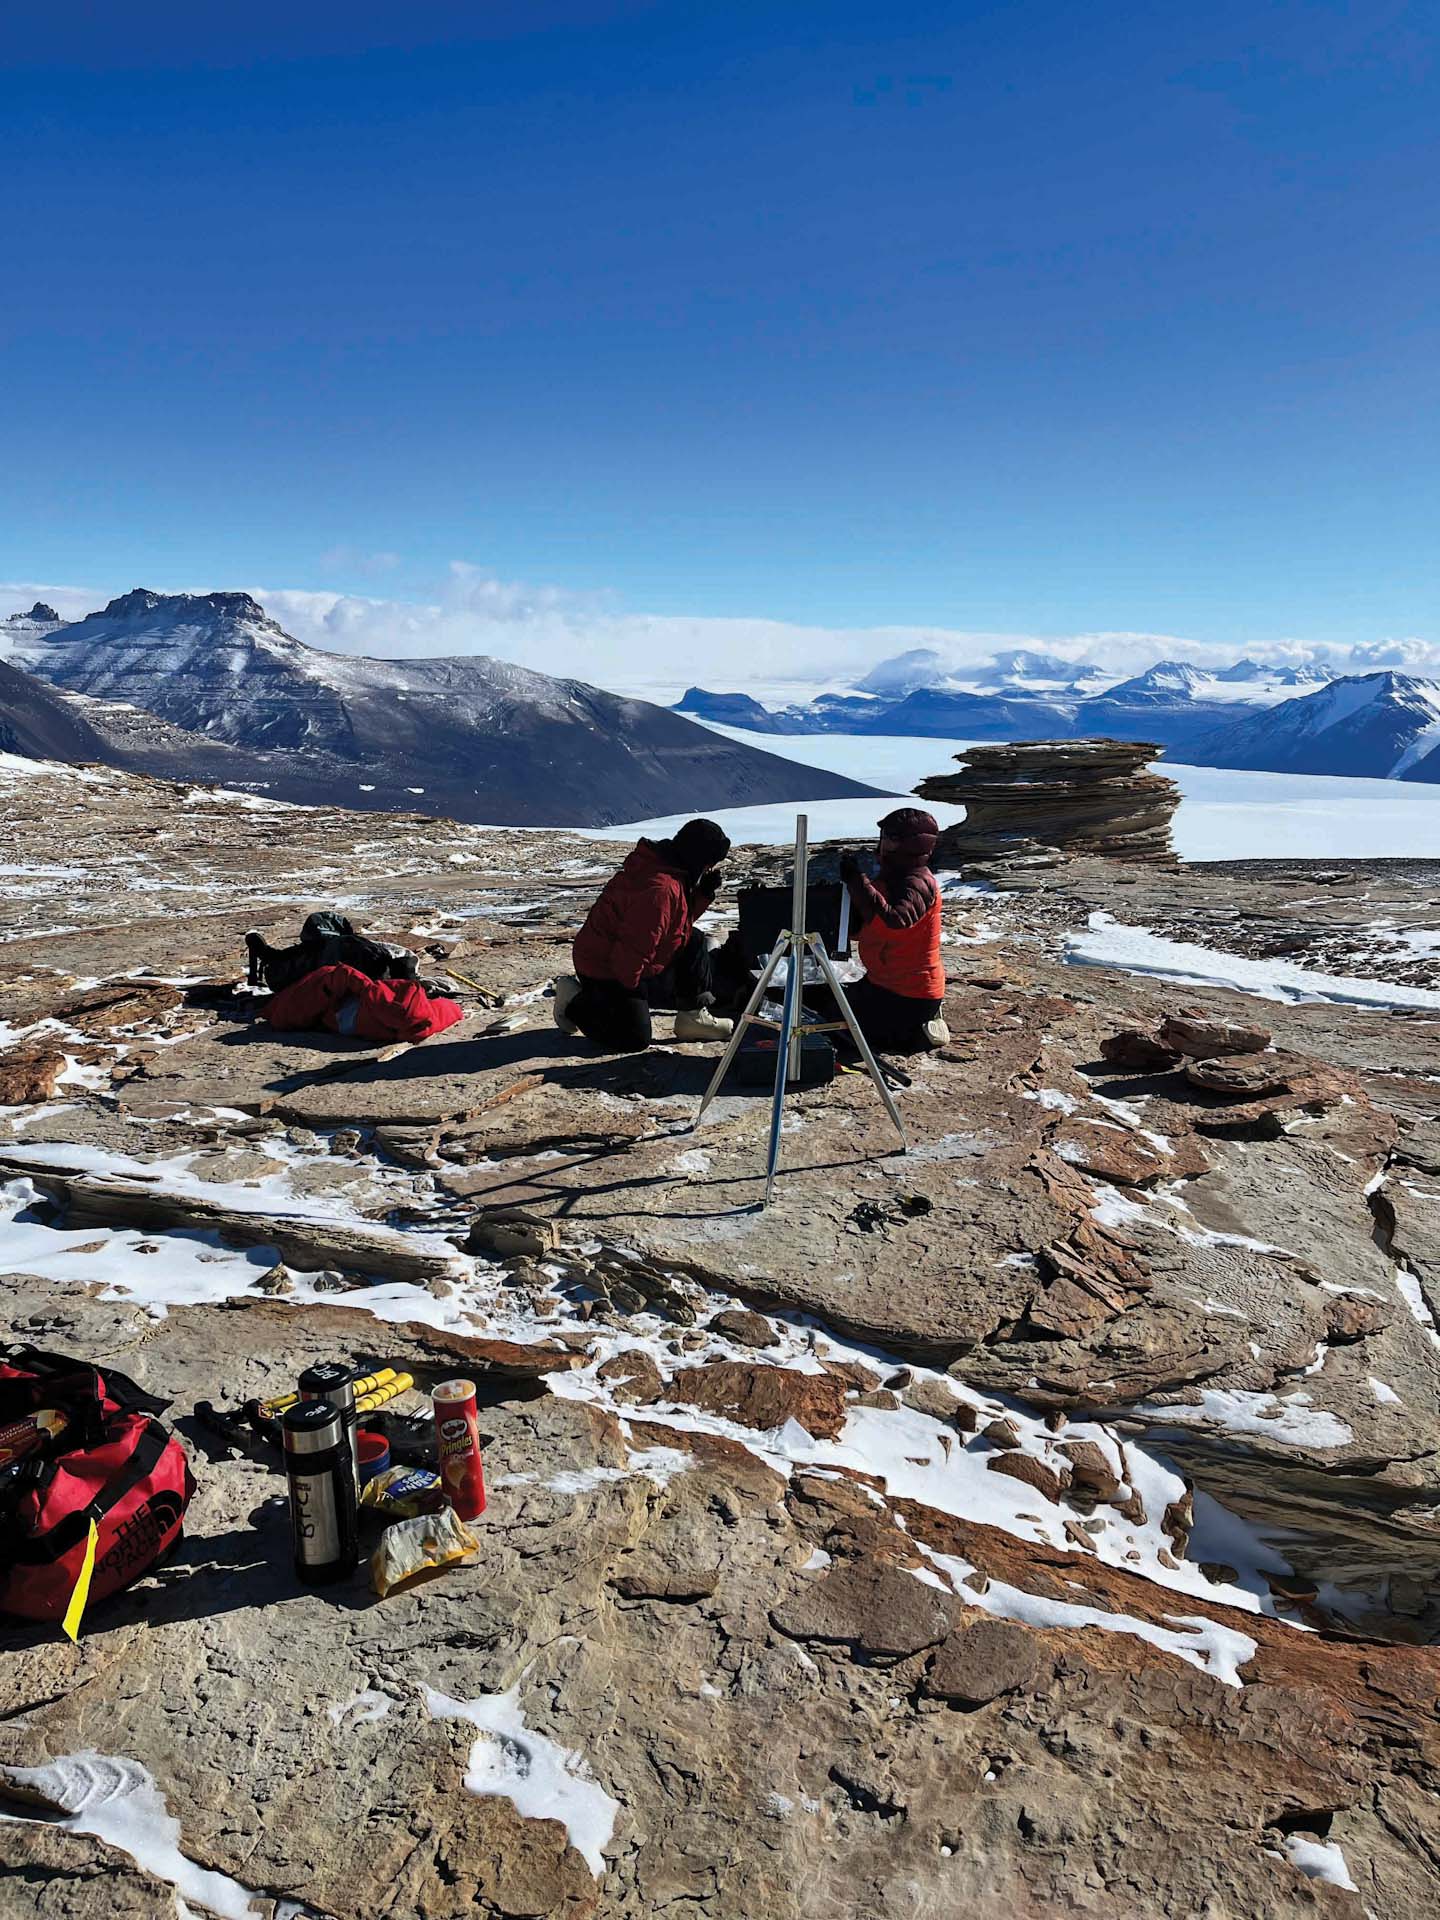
(233, 697)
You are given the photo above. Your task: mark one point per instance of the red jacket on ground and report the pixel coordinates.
(342, 1000)
(642, 919)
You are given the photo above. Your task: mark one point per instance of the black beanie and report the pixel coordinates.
(700, 844)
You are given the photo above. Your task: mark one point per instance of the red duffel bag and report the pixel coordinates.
(112, 1462)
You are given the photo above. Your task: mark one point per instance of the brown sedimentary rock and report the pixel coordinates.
(1090, 1468)
(632, 1377)
(30, 1075)
(1081, 796)
(983, 1659)
(1142, 1052)
(764, 1397)
(1204, 1039)
(1245, 1079)
(1108, 1152)
(1048, 1480)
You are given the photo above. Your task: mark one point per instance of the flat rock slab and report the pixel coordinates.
(913, 1247)
(322, 1081)
(244, 1066)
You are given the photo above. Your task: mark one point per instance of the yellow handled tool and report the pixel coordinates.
(486, 995)
(272, 1409)
(388, 1390)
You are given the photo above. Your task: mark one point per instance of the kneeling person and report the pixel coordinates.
(898, 1003)
(640, 948)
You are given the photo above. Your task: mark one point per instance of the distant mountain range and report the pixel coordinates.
(206, 687)
(1289, 719)
(1382, 726)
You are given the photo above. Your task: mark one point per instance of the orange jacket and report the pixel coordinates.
(905, 960)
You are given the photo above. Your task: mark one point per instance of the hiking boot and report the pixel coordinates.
(937, 1034)
(701, 1024)
(566, 988)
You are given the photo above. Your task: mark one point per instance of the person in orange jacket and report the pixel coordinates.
(898, 1002)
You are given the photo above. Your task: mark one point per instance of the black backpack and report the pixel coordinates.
(326, 940)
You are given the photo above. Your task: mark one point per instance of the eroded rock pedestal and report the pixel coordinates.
(1081, 796)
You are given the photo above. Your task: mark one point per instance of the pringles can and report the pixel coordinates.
(331, 1381)
(321, 1477)
(457, 1442)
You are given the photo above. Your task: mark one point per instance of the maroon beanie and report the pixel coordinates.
(913, 830)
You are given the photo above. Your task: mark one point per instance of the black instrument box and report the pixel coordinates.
(765, 914)
(755, 1060)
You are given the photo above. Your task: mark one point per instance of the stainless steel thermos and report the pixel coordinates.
(331, 1381)
(320, 1469)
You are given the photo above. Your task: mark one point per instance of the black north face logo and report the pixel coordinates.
(139, 1538)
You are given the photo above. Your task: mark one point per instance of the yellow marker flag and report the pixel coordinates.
(71, 1622)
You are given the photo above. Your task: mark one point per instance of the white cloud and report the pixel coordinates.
(71, 603)
(591, 637)
(1410, 655)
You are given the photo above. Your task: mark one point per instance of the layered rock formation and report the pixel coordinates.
(1081, 796)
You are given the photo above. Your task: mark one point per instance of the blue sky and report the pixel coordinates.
(1027, 319)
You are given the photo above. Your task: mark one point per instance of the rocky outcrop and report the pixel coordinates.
(40, 615)
(1082, 796)
(840, 1558)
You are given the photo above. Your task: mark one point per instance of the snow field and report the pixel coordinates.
(1223, 815)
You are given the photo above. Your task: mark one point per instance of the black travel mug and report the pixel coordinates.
(330, 1380)
(321, 1474)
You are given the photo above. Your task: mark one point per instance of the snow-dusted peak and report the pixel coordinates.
(141, 602)
(1022, 664)
(20, 631)
(40, 615)
(1382, 725)
(1341, 699)
(1172, 676)
(905, 673)
(1247, 670)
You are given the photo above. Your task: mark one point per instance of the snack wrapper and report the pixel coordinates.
(399, 1493)
(413, 1549)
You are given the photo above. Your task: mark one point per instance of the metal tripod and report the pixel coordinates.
(792, 1026)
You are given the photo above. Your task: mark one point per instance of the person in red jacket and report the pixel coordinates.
(640, 948)
(898, 1001)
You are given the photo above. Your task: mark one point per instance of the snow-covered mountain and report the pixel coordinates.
(19, 629)
(475, 738)
(1021, 694)
(1258, 673)
(894, 678)
(1017, 669)
(1382, 726)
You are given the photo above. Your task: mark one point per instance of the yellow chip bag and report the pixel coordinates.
(414, 1549)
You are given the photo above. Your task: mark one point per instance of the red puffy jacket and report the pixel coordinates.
(342, 1000)
(640, 922)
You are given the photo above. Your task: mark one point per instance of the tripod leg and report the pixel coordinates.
(733, 1044)
(788, 1029)
(832, 980)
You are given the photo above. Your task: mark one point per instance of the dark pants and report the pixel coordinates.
(891, 1022)
(618, 1018)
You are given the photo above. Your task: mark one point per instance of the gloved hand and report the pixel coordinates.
(849, 867)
